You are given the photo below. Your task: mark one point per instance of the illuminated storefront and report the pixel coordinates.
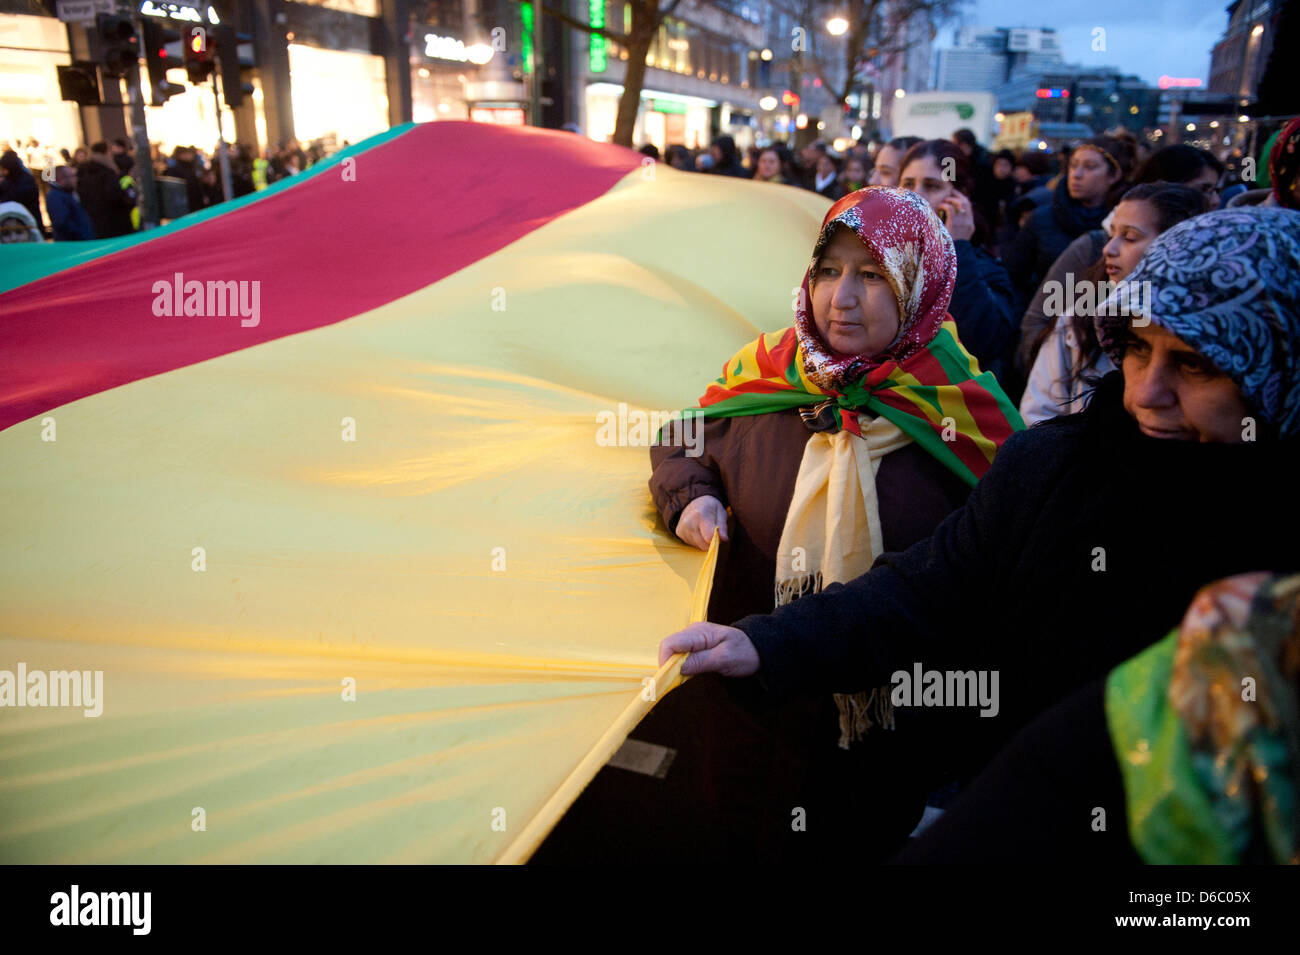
(337, 85)
(338, 96)
(664, 118)
(31, 50)
(442, 63)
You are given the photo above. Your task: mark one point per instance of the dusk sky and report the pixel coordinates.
(1147, 38)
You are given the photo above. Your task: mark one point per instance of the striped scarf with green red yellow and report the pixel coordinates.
(937, 396)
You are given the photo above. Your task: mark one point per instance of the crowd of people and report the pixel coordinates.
(94, 193)
(1022, 223)
(1120, 573)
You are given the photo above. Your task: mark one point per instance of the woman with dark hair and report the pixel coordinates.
(826, 177)
(854, 176)
(1181, 471)
(775, 164)
(1070, 360)
(983, 301)
(1181, 163)
(726, 158)
(1095, 179)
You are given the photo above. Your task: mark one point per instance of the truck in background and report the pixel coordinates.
(938, 115)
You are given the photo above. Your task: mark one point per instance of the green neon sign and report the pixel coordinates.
(596, 13)
(526, 15)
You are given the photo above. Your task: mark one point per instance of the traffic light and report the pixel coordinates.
(233, 90)
(198, 53)
(156, 38)
(119, 50)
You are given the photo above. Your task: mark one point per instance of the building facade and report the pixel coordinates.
(984, 58)
(1238, 60)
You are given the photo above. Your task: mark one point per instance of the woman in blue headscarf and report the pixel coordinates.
(1191, 748)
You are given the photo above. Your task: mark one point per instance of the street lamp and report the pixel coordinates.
(767, 103)
(766, 55)
(837, 26)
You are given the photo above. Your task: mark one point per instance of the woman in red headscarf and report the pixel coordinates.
(854, 432)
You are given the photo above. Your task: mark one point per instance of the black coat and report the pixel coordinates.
(20, 186)
(107, 204)
(1051, 227)
(1012, 581)
(984, 307)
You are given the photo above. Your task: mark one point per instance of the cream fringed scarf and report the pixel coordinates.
(832, 535)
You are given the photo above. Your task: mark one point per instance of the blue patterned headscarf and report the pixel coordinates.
(1228, 284)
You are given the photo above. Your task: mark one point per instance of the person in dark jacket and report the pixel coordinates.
(1097, 171)
(68, 220)
(826, 178)
(185, 165)
(1003, 187)
(17, 184)
(100, 190)
(835, 464)
(1090, 532)
(983, 191)
(983, 301)
(726, 159)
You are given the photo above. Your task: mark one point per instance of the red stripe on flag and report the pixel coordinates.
(405, 214)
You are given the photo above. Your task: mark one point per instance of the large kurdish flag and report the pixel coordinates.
(313, 479)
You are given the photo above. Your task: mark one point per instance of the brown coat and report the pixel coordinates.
(750, 463)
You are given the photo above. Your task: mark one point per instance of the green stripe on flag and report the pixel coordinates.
(30, 263)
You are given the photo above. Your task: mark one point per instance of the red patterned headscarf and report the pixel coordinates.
(1284, 166)
(916, 253)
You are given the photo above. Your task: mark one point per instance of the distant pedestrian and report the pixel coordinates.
(726, 160)
(100, 190)
(17, 184)
(68, 218)
(17, 224)
(775, 165)
(854, 176)
(983, 193)
(826, 178)
(888, 160)
(1098, 170)
(679, 157)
